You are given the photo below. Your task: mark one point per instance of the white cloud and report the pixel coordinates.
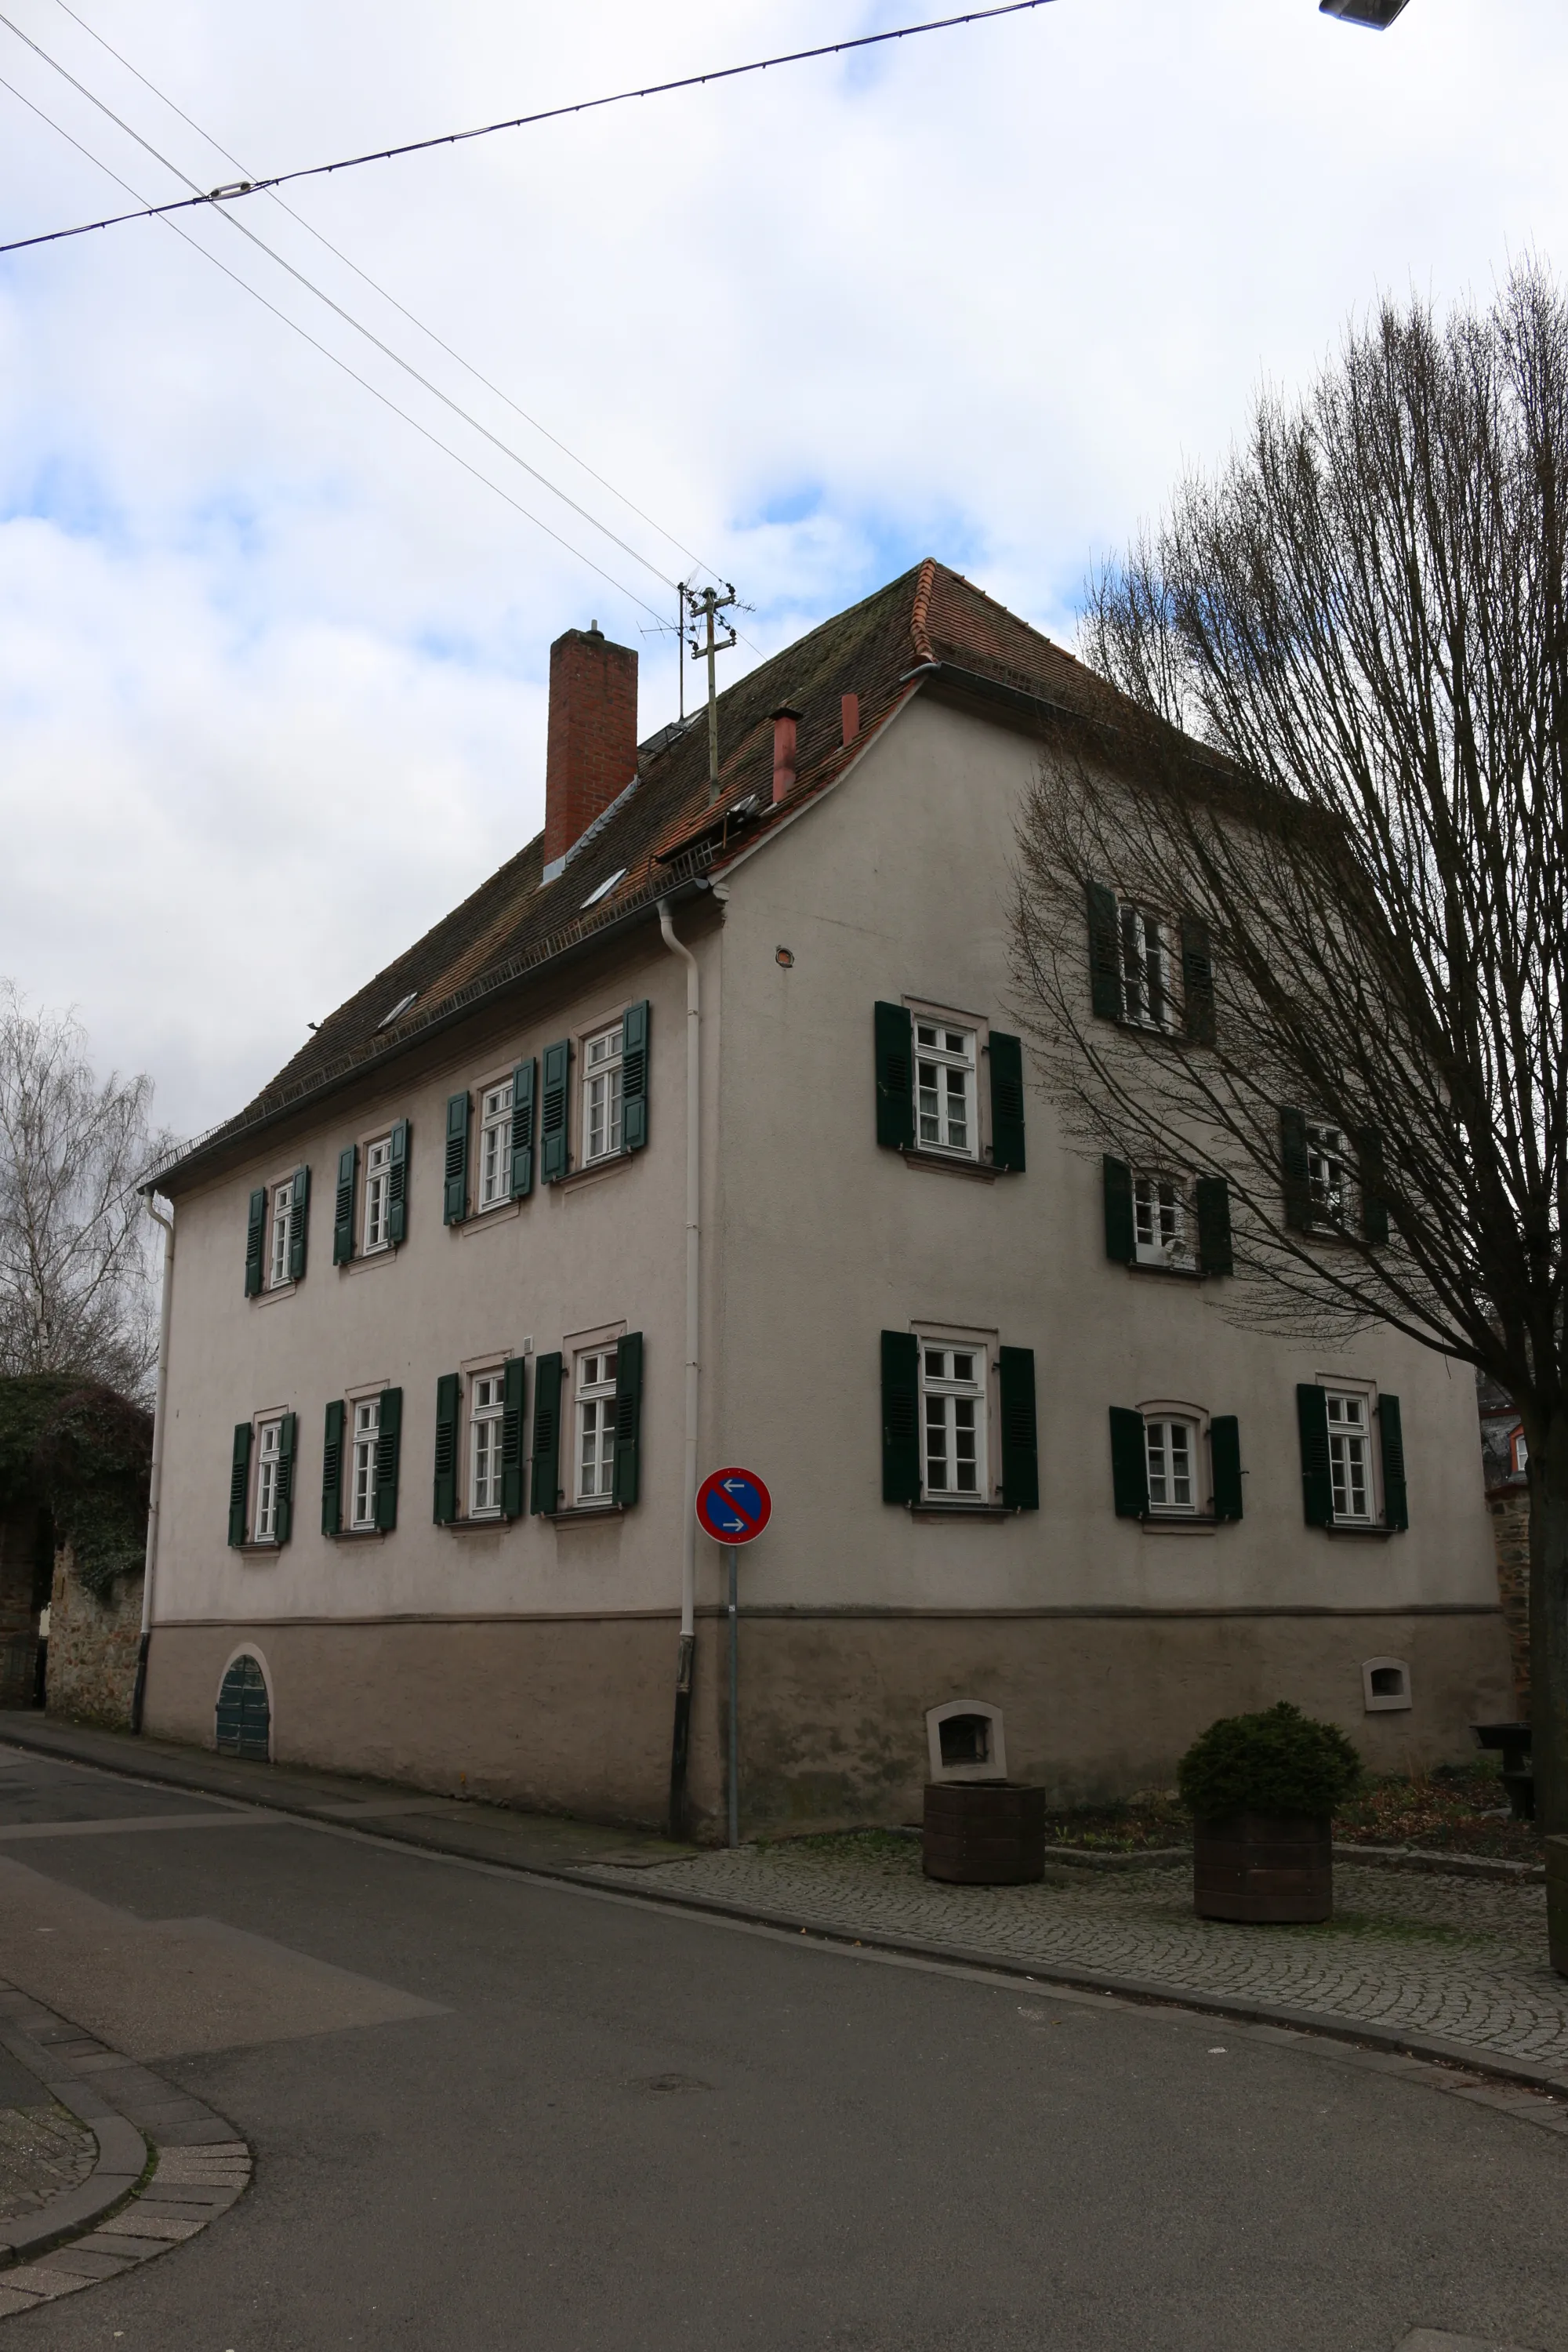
(271, 667)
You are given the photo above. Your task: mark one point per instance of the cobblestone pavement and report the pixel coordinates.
(1464, 1960)
(43, 2152)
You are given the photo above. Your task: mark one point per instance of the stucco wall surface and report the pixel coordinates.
(605, 1250)
(897, 886)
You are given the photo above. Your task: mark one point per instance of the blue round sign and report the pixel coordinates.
(733, 1506)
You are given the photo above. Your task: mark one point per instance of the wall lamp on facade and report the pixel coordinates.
(1376, 13)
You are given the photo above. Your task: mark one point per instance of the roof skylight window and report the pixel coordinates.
(398, 1009)
(605, 887)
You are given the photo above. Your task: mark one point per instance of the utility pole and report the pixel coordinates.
(705, 605)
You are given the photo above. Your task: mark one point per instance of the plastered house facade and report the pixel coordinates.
(436, 1402)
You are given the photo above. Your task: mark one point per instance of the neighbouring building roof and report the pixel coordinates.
(662, 831)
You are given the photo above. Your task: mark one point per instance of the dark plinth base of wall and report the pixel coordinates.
(575, 1714)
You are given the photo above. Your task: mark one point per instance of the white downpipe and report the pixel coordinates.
(155, 1472)
(693, 1263)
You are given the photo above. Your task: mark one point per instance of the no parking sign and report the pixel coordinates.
(733, 1507)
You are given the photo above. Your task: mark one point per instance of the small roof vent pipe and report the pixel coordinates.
(786, 721)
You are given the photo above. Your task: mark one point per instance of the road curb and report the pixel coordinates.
(1362, 2034)
(167, 2165)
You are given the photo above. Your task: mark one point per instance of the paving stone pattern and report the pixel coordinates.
(1461, 1959)
(43, 2152)
(187, 2167)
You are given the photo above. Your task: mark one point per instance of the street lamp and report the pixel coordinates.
(1378, 14)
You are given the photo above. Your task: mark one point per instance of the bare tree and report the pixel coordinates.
(1335, 788)
(75, 1290)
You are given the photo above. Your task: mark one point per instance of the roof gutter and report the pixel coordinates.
(446, 1013)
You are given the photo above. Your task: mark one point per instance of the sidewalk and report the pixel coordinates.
(1427, 1961)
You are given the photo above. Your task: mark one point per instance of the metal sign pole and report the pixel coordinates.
(734, 1707)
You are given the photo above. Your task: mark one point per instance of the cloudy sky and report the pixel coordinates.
(272, 663)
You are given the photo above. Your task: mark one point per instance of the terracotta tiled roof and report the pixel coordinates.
(664, 826)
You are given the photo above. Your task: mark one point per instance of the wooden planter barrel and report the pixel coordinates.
(1557, 1902)
(984, 1833)
(1264, 1867)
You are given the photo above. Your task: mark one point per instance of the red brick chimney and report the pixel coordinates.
(786, 721)
(591, 755)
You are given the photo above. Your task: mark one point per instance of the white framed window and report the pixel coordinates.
(1329, 1172)
(494, 1146)
(1518, 1454)
(377, 1193)
(362, 1468)
(954, 1458)
(602, 1094)
(277, 1256)
(595, 1451)
(269, 1456)
(1171, 1443)
(1163, 1223)
(484, 1445)
(1350, 1455)
(1149, 966)
(944, 1089)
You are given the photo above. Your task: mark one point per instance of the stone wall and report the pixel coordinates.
(92, 1647)
(1510, 1541)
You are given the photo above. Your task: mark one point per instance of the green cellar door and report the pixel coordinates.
(244, 1717)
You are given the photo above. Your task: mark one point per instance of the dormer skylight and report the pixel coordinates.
(605, 887)
(398, 1009)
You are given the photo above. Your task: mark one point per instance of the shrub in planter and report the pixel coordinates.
(1262, 1791)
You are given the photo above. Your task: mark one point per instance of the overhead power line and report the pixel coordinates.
(233, 191)
(346, 315)
(376, 287)
(327, 353)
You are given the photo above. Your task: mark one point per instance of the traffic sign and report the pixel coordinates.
(733, 1507)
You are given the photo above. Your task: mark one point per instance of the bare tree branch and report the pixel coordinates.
(1360, 623)
(76, 1289)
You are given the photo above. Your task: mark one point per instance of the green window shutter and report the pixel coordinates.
(455, 1166)
(1104, 952)
(238, 1481)
(397, 1185)
(1020, 1437)
(895, 1077)
(343, 1205)
(634, 1076)
(1006, 1103)
(1224, 1460)
(901, 1417)
(512, 1376)
(545, 1490)
(1293, 1170)
(1214, 1252)
(1317, 1484)
(523, 1130)
(628, 1417)
(388, 1451)
(1396, 1496)
(299, 1222)
(255, 1241)
(1374, 1207)
(555, 1157)
(448, 1391)
(333, 1469)
(1129, 1464)
(1121, 1236)
(1197, 981)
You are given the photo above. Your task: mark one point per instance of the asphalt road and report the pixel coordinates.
(490, 2113)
